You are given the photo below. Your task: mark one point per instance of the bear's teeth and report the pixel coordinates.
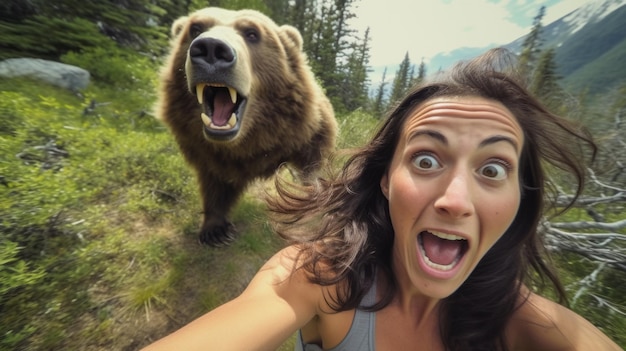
(205, 119)
(233, 94)
(209, 123)
(200, 93)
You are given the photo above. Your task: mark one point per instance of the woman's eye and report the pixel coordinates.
(494, 171)
(426, 162)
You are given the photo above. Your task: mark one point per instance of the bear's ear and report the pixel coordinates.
(178, 26)
(293, 35)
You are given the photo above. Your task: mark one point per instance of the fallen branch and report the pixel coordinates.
(566, 199)
(614, 226)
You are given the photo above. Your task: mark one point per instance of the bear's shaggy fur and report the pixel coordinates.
(240, 99)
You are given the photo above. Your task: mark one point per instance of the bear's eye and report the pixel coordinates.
(251, 35)
(195, 30)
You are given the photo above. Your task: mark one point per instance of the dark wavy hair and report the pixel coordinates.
(343, 227)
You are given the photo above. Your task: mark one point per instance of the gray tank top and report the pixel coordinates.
(361, 333)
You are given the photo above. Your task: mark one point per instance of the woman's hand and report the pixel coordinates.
(275, 304)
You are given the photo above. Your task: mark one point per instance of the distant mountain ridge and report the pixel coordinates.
(559, 31)
(590, 45)
(594, 57)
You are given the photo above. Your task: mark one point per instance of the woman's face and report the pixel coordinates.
(453, 189)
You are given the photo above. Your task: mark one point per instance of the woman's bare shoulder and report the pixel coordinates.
(542, 324)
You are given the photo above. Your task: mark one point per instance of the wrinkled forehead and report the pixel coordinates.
(467, 108)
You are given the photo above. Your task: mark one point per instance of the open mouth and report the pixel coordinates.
(441, 251)
(221, 109)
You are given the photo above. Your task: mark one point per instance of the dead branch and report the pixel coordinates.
(609, 248)
(587, 282)
(565, 199)
(613, 226)
(593, 177)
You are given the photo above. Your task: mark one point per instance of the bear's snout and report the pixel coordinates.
(213, 52)
(214, 61)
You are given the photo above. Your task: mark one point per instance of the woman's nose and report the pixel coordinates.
(456, 198)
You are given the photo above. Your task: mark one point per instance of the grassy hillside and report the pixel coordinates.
(99, 212)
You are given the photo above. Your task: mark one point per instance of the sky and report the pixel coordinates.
(426, 28)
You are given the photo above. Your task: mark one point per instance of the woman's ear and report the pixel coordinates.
(384, 185)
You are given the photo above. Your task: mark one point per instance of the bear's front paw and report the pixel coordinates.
(217, 235)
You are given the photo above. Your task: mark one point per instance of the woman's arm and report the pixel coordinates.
(541, 324)
(274, 305)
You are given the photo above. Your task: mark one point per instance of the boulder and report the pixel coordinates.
(65, 76)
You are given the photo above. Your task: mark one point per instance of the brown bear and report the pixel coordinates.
(240, 98)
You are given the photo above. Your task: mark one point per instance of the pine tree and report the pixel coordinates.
(327, 42)
(532, 45)
(279, 11)
(303, 14)
(74, 25)
(354, 92)
(401, 80)
(16, 10)
(379, 101)
(544, 83)
(421, 74)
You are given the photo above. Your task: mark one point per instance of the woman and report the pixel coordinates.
(426, 240)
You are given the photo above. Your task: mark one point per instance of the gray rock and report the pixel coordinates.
(65, 76)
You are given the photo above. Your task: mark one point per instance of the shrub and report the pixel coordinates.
(118, 67)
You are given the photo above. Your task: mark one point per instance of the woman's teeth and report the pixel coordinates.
(446, 236)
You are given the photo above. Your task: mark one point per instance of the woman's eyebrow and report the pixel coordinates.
(428, 132)
(441, 138)
(498, 138)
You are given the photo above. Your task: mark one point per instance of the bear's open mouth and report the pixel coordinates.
(221, 105)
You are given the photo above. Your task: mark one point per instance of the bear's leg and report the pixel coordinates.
(218, 198)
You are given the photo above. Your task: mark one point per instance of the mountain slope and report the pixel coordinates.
(600, 75)
(593, 57)
(556, 33)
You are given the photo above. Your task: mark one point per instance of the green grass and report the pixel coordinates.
(102, 238)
